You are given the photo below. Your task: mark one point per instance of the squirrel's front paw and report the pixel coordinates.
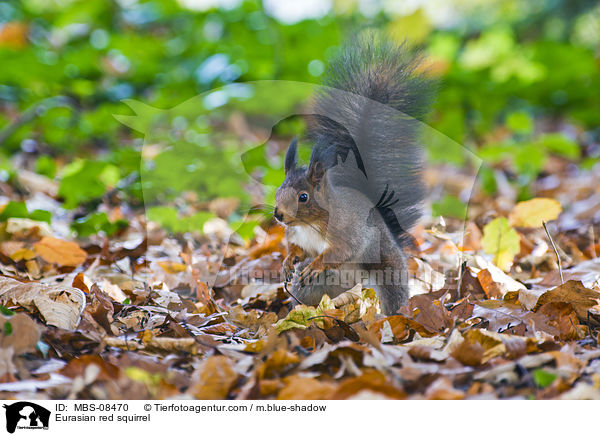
(311, 271)
(288, 267)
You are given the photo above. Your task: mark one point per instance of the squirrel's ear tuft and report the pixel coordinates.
(316, 171)
(291, 156)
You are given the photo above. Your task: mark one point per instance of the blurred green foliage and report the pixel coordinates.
(18, 209)
(519, 83)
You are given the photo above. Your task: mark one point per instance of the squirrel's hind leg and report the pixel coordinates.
(389, 279)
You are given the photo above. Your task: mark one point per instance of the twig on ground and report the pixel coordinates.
(562, 280)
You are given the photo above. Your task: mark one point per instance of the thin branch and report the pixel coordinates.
(562, 280)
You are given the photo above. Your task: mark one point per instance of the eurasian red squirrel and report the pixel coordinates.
(348, 212)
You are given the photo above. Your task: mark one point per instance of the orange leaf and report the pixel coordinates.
(63, 253)
(304, 388)
(213, 379)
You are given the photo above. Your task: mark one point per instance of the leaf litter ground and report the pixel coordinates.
(133, 317)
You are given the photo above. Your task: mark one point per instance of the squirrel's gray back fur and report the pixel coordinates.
(370, 106)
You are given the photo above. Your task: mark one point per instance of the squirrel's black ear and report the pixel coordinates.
(316, 171)
(291, 156)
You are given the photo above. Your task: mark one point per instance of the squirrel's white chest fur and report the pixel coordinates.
(308, 239)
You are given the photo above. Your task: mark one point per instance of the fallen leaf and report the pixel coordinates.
(398, 327)
(60, 306)
(213, 379)
(172, 267)
(428, 312)
(442, 389)
(490, 287)
(500, 314)
(277, 363)
(300, 317)
(77, 367)
(82, 282)
(480, 346)
(22, 227)
(305, 388)
(63, 253)
(501, 240)
(572, 292)
(532, 213)
(19, 332)
(369, 380)
(427, 354)
(559, 319)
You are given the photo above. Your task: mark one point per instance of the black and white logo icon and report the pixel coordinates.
(26, 415)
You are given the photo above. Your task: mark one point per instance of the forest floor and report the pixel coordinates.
(132, 316)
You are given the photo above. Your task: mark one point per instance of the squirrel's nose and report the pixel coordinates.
(278, 216)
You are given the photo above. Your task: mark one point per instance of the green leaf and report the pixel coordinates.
(449, 206)
(543, 378)
(488, 180)
(46, 166)
(41, 215)
(299, 318)
(169, 219)
(18, 209)
(559, 144)
(6, 311)
(529, 159)
(97, 222)
(82, 183)
(520, 122)
(14, 209)
(501, 240)
(245, 228)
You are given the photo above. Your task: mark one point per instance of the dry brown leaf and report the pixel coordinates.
(499, 314)
(400, 327)
(558, 319)
(277, 363)
(305, 388)
(572, 292)
(23, 333)
(78, 366)
(273, 242)
(480, 346)
(490, 287)
(63, 253)
(427, 354)
(79, 282)
(442, 389)
(369, 380)
(60, 306)
(429, 313)
(27, 228)
(213, 379)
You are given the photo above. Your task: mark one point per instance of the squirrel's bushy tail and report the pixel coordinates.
(373, 97)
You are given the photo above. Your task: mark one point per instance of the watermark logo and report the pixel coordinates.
(372, 183)
(24, 415)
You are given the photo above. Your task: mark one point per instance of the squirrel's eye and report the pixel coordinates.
(303, 197)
